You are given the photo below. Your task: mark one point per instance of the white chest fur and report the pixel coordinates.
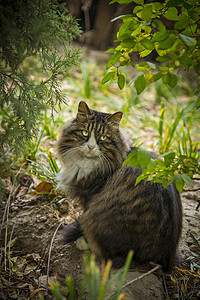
(79, 162)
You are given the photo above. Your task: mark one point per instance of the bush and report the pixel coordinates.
(34, 40)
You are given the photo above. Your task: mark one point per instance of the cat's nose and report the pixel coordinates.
(90, 147)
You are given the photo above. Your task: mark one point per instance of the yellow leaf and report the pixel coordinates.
(43, 187)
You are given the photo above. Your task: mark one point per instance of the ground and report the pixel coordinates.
(35, 223)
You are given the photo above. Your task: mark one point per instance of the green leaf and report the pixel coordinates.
(146, 13)
(197, 68)
(144, 157)
(185, 60)
(128, 43)
(139, 178)
(113, 60)
(124, 31)
(172, 3)
(181, 24)
(163, 58)
(172, 14)
(121, 81)
(152, 165)
(198, 102)
(140, 84)
(107, 77)
(170, 79)
(131, 160)
(145, 53)
(187, 39)
(151, 65)
(198, 42)
(179, 182)
(167, 43)
(158, 24)
(168, 158)
(160, 36)
(70, 286)
(156, 77)
(111, 50)
(148, 44)
(188, 180)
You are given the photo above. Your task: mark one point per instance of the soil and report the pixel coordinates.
(36, 222)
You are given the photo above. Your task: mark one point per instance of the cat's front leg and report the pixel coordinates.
(71, 232)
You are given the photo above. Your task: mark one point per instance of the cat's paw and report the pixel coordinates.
(81, 244)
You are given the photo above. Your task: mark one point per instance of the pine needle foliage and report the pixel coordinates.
(35, 53)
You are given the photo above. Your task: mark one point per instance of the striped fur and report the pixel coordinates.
(118, 216)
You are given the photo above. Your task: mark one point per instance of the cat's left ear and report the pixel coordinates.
(116, 118)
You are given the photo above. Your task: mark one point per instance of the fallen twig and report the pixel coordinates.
(49, 256)
(135, 279)
(141, 276)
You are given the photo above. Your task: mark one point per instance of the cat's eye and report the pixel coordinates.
(103, 137)
(85, 133)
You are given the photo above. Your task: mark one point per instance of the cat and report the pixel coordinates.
(118, 216)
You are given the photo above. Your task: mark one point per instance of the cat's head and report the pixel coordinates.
(93, 136)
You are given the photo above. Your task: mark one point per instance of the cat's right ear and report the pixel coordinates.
(83, 111)
(83, 108)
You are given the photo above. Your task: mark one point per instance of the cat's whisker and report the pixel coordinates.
(102, 163)
(69, 152)
(107, 162)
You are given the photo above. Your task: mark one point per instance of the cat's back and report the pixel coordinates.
(143, 217)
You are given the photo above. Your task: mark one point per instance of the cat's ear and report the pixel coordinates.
(83, 111)
(115, 118)
(83, 108)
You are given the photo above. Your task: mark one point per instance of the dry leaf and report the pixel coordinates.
(43, 187)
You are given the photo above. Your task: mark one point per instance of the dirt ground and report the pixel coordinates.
(33, 228)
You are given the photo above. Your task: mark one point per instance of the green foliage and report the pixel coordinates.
(170, 167)
(179, 159)
(44, 171)
(169, 29)
(31, 34)
(98, 285)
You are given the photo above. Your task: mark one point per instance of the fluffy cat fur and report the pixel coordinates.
(118, 216)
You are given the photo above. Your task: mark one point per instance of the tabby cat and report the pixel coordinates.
(118, 216)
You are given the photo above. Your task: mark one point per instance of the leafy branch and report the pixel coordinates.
(147, 30)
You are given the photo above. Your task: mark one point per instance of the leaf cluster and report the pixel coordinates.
(170, 29)
(168, 168)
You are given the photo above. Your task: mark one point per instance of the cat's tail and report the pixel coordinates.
(71, 232)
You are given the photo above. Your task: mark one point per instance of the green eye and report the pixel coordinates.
(103, 137)
(85, 133)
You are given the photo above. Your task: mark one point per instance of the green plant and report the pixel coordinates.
(168, 168)
(179, 159)
(86, 80)
(170, 30)
(168, 132)
(44, 171)
(98, 285)
(52, 124)
(35, 54)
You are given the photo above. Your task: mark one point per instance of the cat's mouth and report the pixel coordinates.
(90, 155)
